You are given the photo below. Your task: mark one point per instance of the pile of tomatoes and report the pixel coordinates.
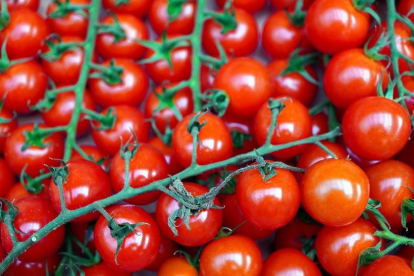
(72, 137)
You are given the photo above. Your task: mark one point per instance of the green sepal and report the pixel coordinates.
(4, 15)
(239, 138)
(366, 257)
(297, 64)
(32, 185)
(65, 7)
(121, 2)
(226, 19)
(12, 210)
(297, 17)
(59, 174)
(374, 51)
(6, 120)
(373, 207)
(308, 246)
(306, 218)
(57, 48)
(34, 138)
(195, 123)
(166, 137)
(111, 74)
(218, 100)
(267, 171)
(175, 8)
(114, 29)
(407, 207)
(107, 121)
(129, 150)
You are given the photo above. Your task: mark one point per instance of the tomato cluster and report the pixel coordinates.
(196, 150)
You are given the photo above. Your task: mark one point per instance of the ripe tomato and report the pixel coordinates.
(72, 24)
(182, 25)
(34, 213)
(250, 6)
(35, 157)
(102, 269)
(289, 261)
(97, 155)
(148, 165)
(334, 26)
(6, 178)
(293, 123)
(130, 91)
(345, 244)
(177, 266)
(320, 124)
(169, 155)
(166, 251)
(127, 119)
(13, 5)
(82, 232)
(239, 42)
(6, 127)
(61, 112)
(343, 81)
(292, 85)
(372, 138)
(247, 83)
(268, 204)
(406, 154)
(24, 84)
(25, 34)
(138, 8)
(134, 29)
(203, 227)
(86, 183)
(406, 252)
(36, 268)
(289, 4)
(214, 145)
(404, 8)
(232, 255)
(142, 243)
(182, 101)
(389, 265)
(243, 126)
(314, 154)
(335, 192)
(17, 191)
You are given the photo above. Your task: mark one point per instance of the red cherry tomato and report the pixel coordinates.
(314, 154)
(169, 155)
(404, 8)
(406, 252)
(214, 145)
(142, 244)
(6, 127)
(320, 123)
(207, 76)
(103, 269)
(239, 42)
(334, 26)
(290, 4)
(240, 126)
(376, 128)
(177, 266)
(34, 213)
(82, 232)
(134, 29)
(406, 154)
(36, 268)
(293, 123)
(18, 191)
(166, 251)
(389, 265)
(231, 255)
(24, 84)
(251, 6)
(95, 153)
(138, 8)
(203, 227)
(13, 5)
(6, 178)
(247, 83)
(34, 157)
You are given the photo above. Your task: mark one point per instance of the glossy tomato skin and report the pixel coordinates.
(177, 266)
(86, 183)
(138, 8)
(231, 255)
(290, 5)
(13, 5)
(293, 123)
(239, 42)
(338, 248)
(6, 178)
(72, 24)
(143, 244)
(34, 157)
(61, 112)
(345, 192)
(204, 226)
(34, 213)
(182, 25)
(268, 204)
(292, 85)
(334, 26)
(127, 118)
(289, 261)
(134, 29)
(389, 266)
(130, 91)
(343, 81)
(6, 127)
(215, 141)
(207, 76)
(166, 251)
(36, 268)
(17, 191)
(148, 165)
(169, 155)
(320, 123)
(182, 101)
(25, 34)
(25, 84)
(244, 126)
(250, 6)
(102, 269)
(247, 83)
(404, 8)
(314, 154)
(365, 130)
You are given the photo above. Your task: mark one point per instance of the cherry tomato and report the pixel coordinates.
(182, 25)
(268, 204)
(404, 8)
(72, 24)
(35, 157)
(335, 192)
(203, 227)
(133, 28)
(251, 6)
(102, 269)
(83, 232)
(182, 101)
(289, 261)
(24, 33)
(389, 265)
(6, 127)
(214, 144)
(146, 166)
(231, 255)
(406, 154)
(142, 243)
(247, 83)
(345, 244)
(86, 183)
(18, 191)
(169, 155)
(36, 268)
(293, 123)
(97, 155)
(344, 82)
(314, 154)
(239, 42)
(292, 85)
(406, 252)
(334, 26)
(127, 119)
(177, 266)
(13, 5)
(166, 251)
(320, 123)
(24, 84)
(240, 127)
(289, 4)
(34, 213)
(207, 76)
(138, 8)
(131, 90)
(6, 178)
(376, 128)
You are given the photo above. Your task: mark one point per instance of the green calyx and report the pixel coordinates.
(32, 185)
(65, 7)
(226, 19)
(106, 121)
(57, 48)
(121, 2)
(114, 29)
(239, 138)
(297, 64)
(60, 174)
(111, 74)
(4, 16)
(175, 8)
(218, 100)
(297, 17)
(365, 6)
(35, 137)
